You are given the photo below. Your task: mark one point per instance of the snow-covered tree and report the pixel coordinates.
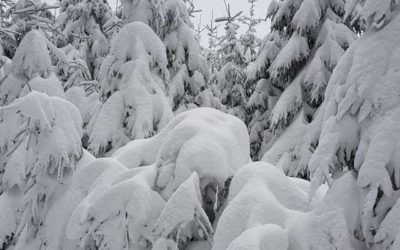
(79, 88)
(249, 40)
(231, 76)
(88, 26)
(250, 43)
(188, 68)
(8, 43)
(211, 51)
(22, 16)
(307, 40)
(150, 12)
(31, 69)
(159, 193)
(357, 127)
(170, 20)
(134, 80)
(40, 142)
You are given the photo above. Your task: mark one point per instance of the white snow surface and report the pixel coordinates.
(266, 210)
(153, 188)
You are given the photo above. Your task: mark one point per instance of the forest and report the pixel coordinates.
(134, 127)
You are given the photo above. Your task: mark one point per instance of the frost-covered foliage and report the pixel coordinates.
(231, 77)
(8, 44)
(87, 25)
(22, 16)
(133, 88)
(150, 12)
(307, 40)
(357, 130)
(211, 51)
(161, 193)
(188, 68)
(40, 142)
(31, 69)
(368, 13)
(249, 40)
(79, 88)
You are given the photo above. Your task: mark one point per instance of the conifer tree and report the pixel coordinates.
(133, 80)
(88, 26)
(231, 76)
(40, 143)
(296, 59)
(22, 16)
(31, 69)
(356, 127)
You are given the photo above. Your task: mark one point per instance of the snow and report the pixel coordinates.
(268, 237)
(287, 105)
(56, 120)
(314, 100)
(133, 90)
(183, 206)
(295, 50)
(308, 16)
(169, 175)
(31, 60)
(267, 205)
(287, 145)
(150, 12)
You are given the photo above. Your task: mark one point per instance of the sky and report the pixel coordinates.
(217, 8)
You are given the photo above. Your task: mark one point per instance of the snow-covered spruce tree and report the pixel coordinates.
(40, 143)
(134, 80)
(231, 76)
(160, 193)
(170, 20)
(249, 40)
(88, 25)
(79, 88)
(358, 130)
(187, 67)
(31, 69)
(211, 51)
(21, 17)
(307, 40)
(150, 12)
(7, 36)
(250, 43)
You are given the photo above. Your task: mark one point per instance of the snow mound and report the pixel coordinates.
(266, 210)
(153, 192)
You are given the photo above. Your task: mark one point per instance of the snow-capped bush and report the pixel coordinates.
(88, 26)
(22, 16)
(162, 191)
(41, 140)
(31, 69)
(266, 210)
